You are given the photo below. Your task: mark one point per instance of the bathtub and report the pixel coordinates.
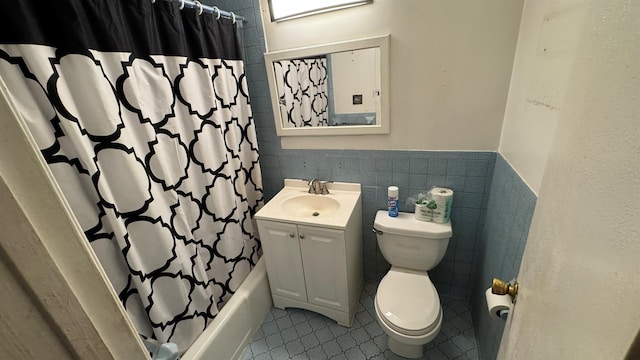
(234, 326)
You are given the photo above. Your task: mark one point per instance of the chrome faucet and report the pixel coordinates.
(314, 186)
(318, 187)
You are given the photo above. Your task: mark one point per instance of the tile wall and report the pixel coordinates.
(467, 173)
(499, 248)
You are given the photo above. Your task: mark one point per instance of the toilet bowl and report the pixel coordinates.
(408, 309)
(407, 304)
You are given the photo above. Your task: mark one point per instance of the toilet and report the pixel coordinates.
(406, 302)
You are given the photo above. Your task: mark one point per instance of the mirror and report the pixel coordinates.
(334, 89)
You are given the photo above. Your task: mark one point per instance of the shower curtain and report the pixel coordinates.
(142, 113)
(302, 87)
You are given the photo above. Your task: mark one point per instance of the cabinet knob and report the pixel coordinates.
(301, 236)
(292, 234)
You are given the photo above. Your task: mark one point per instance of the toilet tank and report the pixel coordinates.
(410, 243)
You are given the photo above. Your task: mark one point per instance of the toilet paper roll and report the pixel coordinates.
(443, 200)
(422, 212)
(496, 304)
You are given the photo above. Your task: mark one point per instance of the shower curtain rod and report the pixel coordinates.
(208, 9)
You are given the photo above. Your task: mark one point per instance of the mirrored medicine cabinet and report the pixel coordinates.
(338, 88)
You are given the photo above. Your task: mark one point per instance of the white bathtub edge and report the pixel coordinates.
(235, 325)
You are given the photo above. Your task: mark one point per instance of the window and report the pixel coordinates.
(290, 9)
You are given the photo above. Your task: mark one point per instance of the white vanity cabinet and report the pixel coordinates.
(312, 268)
(286, 274)
(315, 266)
(325, 267)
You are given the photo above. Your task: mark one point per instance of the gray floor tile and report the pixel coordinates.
(300, 334)
(331, 348)
(289, 334)
(317, 353)
(324, 335)
(354, 354)
(450, 350)
(346, 341)
(303, 329)
(309, 341)
(279, 353)
(294, 348)
(463, 343)
(274, 341)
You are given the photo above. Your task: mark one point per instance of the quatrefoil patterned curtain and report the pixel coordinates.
(303, 89)
(142, 113)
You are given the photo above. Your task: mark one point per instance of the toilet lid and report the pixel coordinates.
(408, 302)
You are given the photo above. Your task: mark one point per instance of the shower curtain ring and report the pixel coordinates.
(233, 17)
(217, 11)
(199, 6)
(181, 5)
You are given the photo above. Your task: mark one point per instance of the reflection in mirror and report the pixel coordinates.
(333, 89)
(355, 90)
(303, 91)
(329, 90)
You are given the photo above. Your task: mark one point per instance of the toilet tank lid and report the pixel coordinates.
(407, 224)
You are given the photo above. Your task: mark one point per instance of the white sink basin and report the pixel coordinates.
(294, 204)
(310, 205)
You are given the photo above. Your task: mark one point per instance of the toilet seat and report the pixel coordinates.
(408, 302)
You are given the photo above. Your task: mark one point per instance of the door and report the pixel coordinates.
(284, 263)
(325, 263)
(580, 275)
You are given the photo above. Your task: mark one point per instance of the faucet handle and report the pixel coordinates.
(323, 187)
(314, 186)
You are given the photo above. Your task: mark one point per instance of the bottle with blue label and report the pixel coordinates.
(392, 200)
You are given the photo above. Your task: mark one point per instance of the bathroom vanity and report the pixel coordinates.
(312, 245)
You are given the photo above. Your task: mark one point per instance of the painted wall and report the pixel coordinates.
(450, 67)
(547, 42)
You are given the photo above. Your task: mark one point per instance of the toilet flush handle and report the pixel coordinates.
(376, 231)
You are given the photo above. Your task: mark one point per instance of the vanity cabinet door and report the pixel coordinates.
(325, 266)
(284, 264)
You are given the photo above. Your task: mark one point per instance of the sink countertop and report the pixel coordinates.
(346, 194)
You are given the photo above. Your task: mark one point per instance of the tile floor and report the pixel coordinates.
(301, 334)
